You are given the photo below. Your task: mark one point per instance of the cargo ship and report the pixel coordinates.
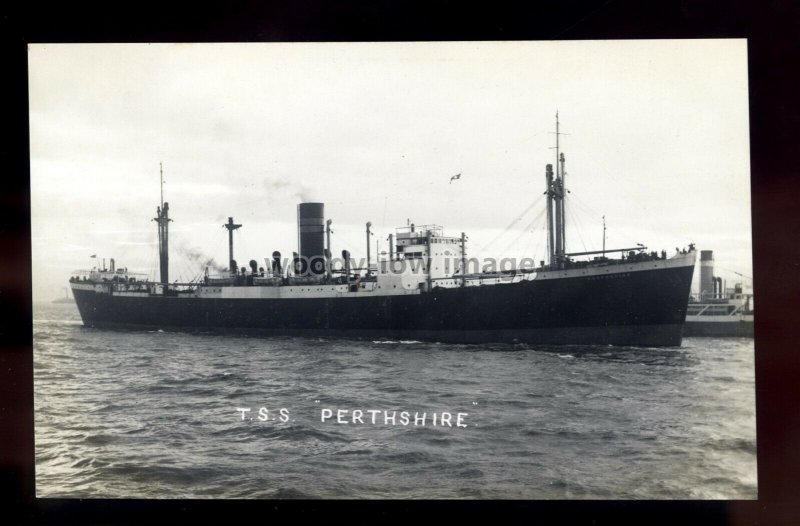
(425, 289)
(717, 310)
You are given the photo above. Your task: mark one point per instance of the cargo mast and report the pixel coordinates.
(231, 226)
(162, 219)
(556, 209)
(369, 233)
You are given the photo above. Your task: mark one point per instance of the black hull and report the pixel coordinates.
(646, 308)
(731, 329)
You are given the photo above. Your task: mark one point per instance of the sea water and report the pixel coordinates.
(154, 414)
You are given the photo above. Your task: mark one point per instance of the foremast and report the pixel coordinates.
(231, 226)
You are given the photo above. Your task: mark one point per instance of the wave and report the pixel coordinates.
(40, 321)
(732, 444)
(160, 412)
(409, 457)
(291, 493)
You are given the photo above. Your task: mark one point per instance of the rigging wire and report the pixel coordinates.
(154, 258)
(735, 272)
(187, 269)
(527, 228)
(343, 241)
(514, 222)
(528, 245)
(542, 240)
(596, 216)
(181, 273)
(584, 207)
(385, 202)
(538, 235)
(578, 227)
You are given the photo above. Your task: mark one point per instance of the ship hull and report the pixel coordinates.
(645, 307)
(725, 328)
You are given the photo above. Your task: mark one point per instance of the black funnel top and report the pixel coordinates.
(311, 237)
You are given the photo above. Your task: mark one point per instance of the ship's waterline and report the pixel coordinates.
(427, 287)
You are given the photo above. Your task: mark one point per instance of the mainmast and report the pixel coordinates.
(556, 209)
(369, 233)
(604, 236)
(562, 186)
(162, 219)
(328, 252)
(463, 259)
(551, 248)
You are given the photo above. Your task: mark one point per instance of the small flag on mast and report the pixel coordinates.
(455, 177)
(93, 256)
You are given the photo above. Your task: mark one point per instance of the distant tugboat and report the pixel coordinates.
(424, 290)
(717, 311)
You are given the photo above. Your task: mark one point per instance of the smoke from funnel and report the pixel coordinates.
(281, 189)
(196, 257)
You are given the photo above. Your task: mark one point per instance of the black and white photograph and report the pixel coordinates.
(393, 270)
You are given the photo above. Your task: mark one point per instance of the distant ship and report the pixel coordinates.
(65, 299)
(424, 290)
(716, 310)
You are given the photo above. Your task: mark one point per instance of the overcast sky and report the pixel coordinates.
(658, 143)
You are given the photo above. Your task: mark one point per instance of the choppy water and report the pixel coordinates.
(154, 415)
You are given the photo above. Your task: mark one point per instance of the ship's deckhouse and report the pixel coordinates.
(427, 241)
(422, 256)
